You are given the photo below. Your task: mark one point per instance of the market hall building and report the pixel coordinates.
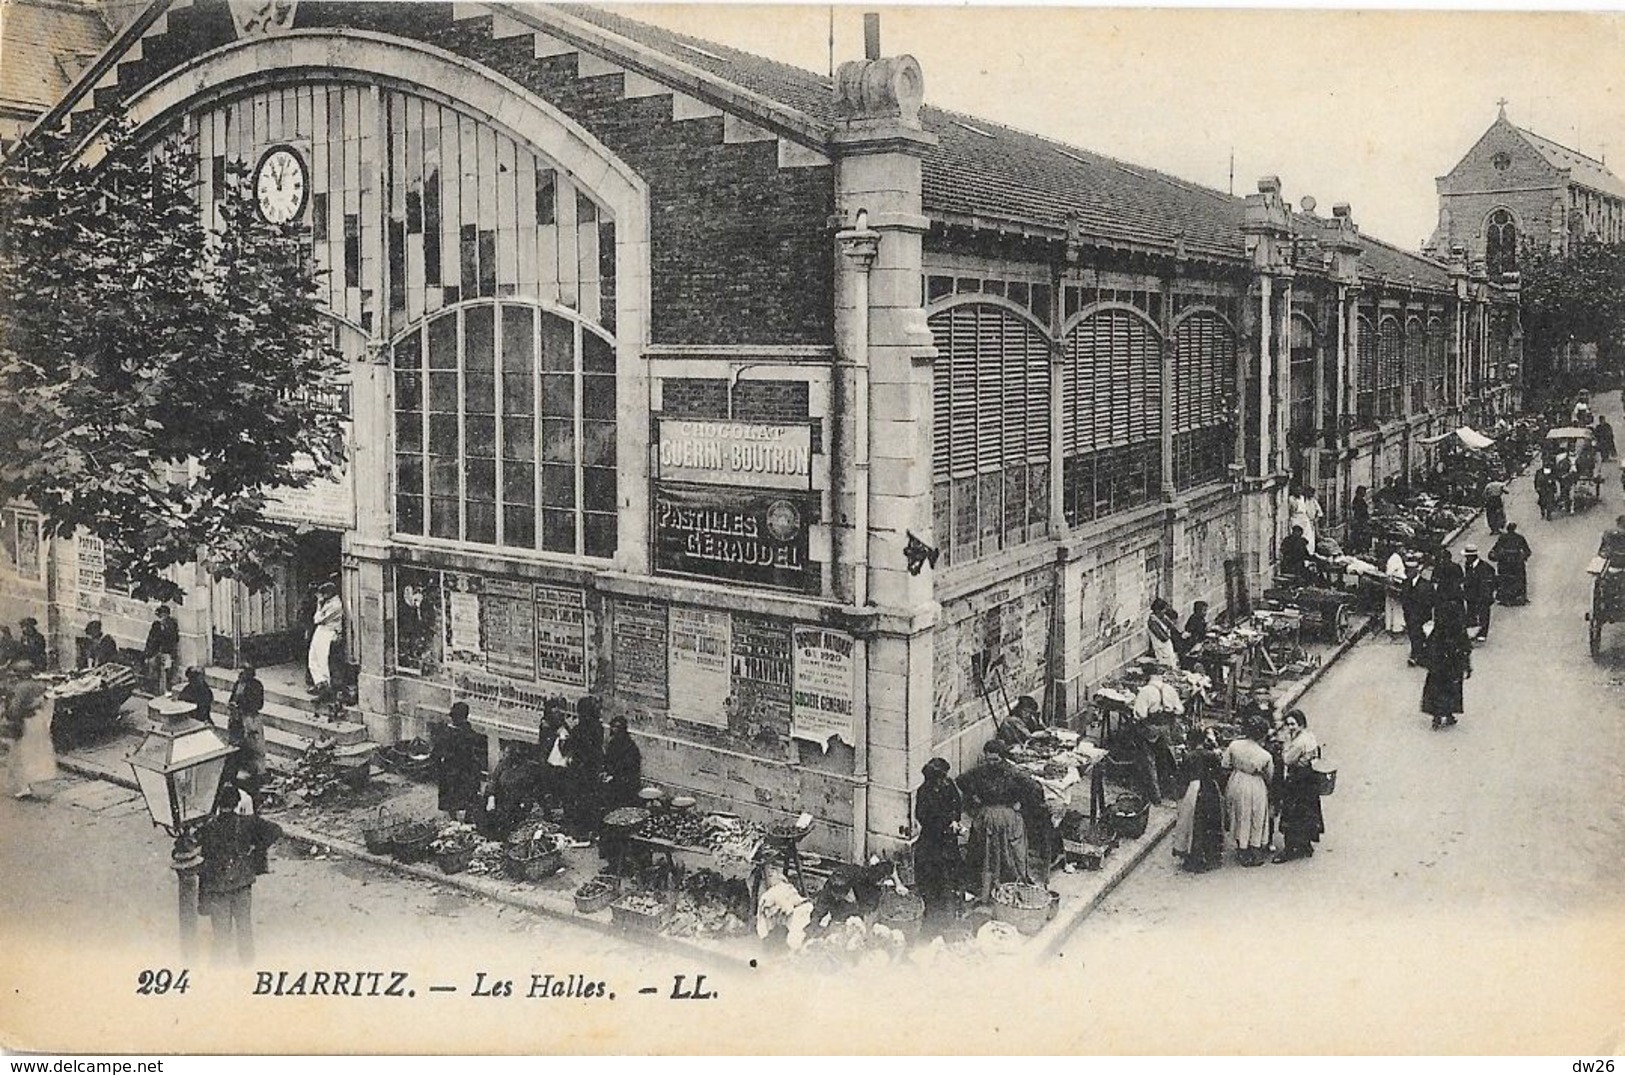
(800, 422)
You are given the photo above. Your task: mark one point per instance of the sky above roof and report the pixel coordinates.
(1360, 107)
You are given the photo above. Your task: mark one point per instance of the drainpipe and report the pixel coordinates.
(859, 245)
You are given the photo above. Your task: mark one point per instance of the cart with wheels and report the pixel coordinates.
(1586, 492)
(1607, 599)
(88, 703)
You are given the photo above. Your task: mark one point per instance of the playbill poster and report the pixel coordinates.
(988, 299)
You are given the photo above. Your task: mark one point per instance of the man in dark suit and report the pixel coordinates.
(1478, 587)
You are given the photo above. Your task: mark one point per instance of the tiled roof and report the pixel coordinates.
(44, 44)
(1586, 171)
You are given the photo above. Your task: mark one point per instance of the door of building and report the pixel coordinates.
(272, 626)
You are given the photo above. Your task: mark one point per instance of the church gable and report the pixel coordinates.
(1501, 160)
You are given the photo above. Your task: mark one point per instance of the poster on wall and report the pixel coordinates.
(28, 546)
(417, 621)
(463, 619)
(561, 635)
(822, 701)
(638, 653)
(508, 628)
(754, 537)
(760, 663)
(697, 647)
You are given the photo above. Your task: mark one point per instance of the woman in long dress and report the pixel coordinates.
(1301, 821)
(33, 759)
(329, 613)
(1247, 796)
(1511, 554)
(1304, 510)
(1449, 661)
(938, 866)
(1495, 508)
(1199, 824)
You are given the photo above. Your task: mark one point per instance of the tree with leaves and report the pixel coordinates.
(1571, 297)
(158, 377)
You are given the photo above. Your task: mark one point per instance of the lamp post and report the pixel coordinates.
(179, 766)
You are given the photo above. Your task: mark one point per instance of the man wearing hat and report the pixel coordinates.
(1417, 600)
(1478, 588)
(31, 643)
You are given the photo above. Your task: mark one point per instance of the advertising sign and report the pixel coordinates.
(508, 628)
(417, 620)
(761, 675)
(697, 648)
(638, 653)
(822, 708)
(561, 635)
(742, 454)
(463, 619)
(753, 537)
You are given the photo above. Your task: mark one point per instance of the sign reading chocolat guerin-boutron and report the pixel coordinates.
(746, 454)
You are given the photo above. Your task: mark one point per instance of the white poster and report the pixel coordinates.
(697, 645)
(821, 707)
(463, 620)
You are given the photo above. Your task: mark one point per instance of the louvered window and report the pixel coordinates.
(1301, 413)
(1415, 364)
(990, 445)
(1438, 362)
(1365, 380)
(1390, 367)
(1204, 369)
(1111, 402)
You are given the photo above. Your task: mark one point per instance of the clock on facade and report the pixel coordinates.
(281, 185)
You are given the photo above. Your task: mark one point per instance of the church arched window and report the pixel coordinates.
(1501, 243)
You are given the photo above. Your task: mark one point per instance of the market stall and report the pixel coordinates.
(88, 702)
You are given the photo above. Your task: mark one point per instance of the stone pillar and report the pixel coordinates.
(1458, 349)
(878, 145)
(1267, 234)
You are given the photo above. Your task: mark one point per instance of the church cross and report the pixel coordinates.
(1501, 103)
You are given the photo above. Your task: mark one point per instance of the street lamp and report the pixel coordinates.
(179, 766)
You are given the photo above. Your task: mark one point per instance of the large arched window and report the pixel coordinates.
(1204, 379)
(990, 455)
(1415, 364)
(1501, 243)
(505, 430)
(1365, 373)
(1302, 386)
(1111, 400)
(1390, 367)
(1438, 361)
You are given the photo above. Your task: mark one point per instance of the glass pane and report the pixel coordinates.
(559, 531)
(559, 487)
(518, 332)
(598, 488)
(409, 474)
(443, 434)
(519, 527)
(597, 354)
(408, 390)
(443, 520)
(558, 440)
(482, 522)
(600, 535)
(965, 519)
(598, 396)
(558, 344)
(559, 395)
(409, 514)
(518, 483)
(409, 351)
(408, 431)
(480, 479)
(443, 477)
(480, 435)
(480, 393)
(478, 338)
(598, 444)
(443, 343)
(518, 438)
(443, 392)
(518, 390)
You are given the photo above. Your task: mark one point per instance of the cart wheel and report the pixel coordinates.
(1596, 635)
(1341, 623)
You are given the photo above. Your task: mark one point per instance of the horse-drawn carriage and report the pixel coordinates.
(1570, 454)
(1607, 596)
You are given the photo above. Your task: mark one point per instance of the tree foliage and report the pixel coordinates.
(1572, 297)
(157, 377)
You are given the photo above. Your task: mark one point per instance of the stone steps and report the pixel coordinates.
(293, 723)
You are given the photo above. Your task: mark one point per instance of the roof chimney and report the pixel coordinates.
(871, 35)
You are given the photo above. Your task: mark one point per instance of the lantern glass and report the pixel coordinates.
(179, 766)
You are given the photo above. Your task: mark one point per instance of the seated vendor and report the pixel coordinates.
(1021, 723)
(96, 648)
(1295, 554)
(782, 912)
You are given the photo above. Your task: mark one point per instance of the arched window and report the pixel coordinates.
(1415, 363)
(1501, 243)
(1111, 401)
(1390, 367)
(505, 430)
(1204, 379)
(1365, 373)
(1302, 376)
(1438, 361)
(990, 433)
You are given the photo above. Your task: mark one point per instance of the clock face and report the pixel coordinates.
(281, 185)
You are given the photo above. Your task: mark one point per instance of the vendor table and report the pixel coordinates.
(786, 846)
(88, 702)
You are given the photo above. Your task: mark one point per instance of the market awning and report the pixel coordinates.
(1468, 436)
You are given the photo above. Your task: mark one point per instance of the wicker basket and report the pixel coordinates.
(636, 921)
(1027, 920)
(905, 914)
(1088, 856)
(455, 860)
(1129, 815)
(605, 897)
(525, 862)
(379, 833)
(1325, 777)
(413, 841)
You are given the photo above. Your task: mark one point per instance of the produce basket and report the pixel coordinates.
(904, 914)
(412, 841)
(597, 894)
(1026, 907)
(532, 861)
(379, 833)
(1129, 815)
(638, 913)
(455, 859)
